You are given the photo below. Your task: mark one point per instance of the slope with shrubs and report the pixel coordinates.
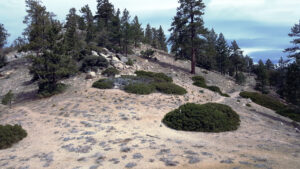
(263, 100)
(200, 82)
(292, 112)
(210, 117)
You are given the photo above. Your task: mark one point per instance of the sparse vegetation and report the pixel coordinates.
(200, 82)
(10, 135)
(48, 90)
(263, 100)
(148, 54)
(8, 98)
(248, 105)
(290, 112)
(210, 117)
(240, 78)
(156, 77)
(170, 88)
(140, 88)
(130, 62)
(103, 84)
(110, 72)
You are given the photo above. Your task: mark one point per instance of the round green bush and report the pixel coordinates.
(10, 135)
(210, 117)
(103, 84)
(110, 72)
(140, 88)
(170, 88)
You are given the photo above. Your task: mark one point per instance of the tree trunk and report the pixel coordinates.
(193, 59)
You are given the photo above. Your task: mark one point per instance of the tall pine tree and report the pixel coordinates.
(188, 22)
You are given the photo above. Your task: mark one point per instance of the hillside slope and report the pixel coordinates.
(91, 128)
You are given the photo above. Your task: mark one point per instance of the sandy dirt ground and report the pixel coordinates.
(87, 128)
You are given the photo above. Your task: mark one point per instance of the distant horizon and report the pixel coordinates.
(260, 27)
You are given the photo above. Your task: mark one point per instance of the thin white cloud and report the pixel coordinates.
(249, 51)
(267, 11)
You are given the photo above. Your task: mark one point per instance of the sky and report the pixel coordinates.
(260, 27)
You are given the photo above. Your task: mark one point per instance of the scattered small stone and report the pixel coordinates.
(168, 162)
(130, 165)
(125, 149)
(137, 156)
(94, 167)
(228, 161)
(193, 159)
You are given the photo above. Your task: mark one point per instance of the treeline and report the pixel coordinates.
(61, 49)
(191, 40)
(285, 75)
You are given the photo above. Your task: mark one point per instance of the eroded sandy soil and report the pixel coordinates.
(87, 128)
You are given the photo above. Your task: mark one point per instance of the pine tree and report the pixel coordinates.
(137, 31)
(222, 54)
(262, 76)
(126, 32)
(269, 65)
(37, 20)
(162, 39)
(52, 65)
(104, 13)
(148, 34)
(295, 50)
(3, 36)
(115, 33)
(236, 56)
(209, 59)
(154, 43)
(188, 22)
(89, 22)
(71, 36)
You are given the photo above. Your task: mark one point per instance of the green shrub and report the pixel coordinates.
(140, 88)
(248, 105)
(110, 72)
(2, 60)
(11, 134)
(200, 82)
(292, 113)
(8, 98)
(47, 90)
(263, 100)
(130, 62)
(170, 88)
(210, 117)
(103, 84)
(240, 78)
(93, 63)
(148, 54)
(156, 77)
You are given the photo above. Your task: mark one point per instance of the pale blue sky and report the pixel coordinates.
(259, 26)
